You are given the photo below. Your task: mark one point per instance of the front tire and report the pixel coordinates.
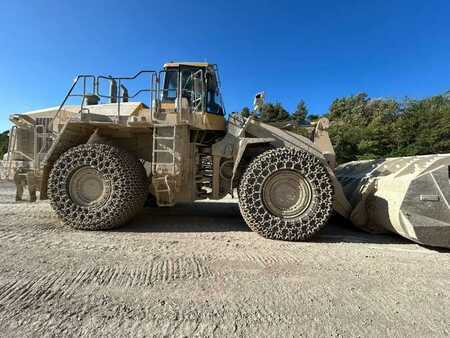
(97, 187)
(286, 194)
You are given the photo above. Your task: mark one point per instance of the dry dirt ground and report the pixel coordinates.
(198, 271)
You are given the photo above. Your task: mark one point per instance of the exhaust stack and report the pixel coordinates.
(112, 91)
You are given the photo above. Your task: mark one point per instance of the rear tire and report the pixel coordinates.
(286, 194)
(97, 187)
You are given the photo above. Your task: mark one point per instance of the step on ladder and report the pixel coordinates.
(163, 170)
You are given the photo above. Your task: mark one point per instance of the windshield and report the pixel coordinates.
(171, 81)
(170, 86)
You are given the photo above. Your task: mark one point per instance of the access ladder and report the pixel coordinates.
(163, 164)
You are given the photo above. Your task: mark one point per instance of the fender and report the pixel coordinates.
(70, 136)
(241, 147)
(77, 132)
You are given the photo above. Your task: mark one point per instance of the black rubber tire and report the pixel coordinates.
(251, 201)
(121, 172)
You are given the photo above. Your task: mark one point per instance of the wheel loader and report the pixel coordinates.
(169, 141)
(179, 145)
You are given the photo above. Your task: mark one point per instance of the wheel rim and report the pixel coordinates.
(287, 194)
(87, 186)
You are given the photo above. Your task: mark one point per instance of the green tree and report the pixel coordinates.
(424, 126)
(313, 117)
(273, 113)
(301, 112)
(245, 112)
(350, 109)
(283, 114)
(365, 128)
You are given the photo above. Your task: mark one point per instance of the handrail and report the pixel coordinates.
(154, 89)
(126, 77)
(69, 94)
(120, 97)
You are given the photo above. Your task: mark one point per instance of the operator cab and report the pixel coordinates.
(193, 86)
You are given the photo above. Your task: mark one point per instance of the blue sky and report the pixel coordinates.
(314, 50)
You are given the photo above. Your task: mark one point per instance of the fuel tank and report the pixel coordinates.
(409, 196)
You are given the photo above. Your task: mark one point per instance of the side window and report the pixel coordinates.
(213, 100)
(170, 86)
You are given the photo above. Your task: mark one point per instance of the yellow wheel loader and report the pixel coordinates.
(100, 160)
(176, 145)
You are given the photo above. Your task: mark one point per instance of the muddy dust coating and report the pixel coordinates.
(198, 270)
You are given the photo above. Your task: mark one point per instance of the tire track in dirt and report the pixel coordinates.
(36, 235)
(167, 319)
(271, 258)
(26, 292)
(43, 237)
(66, 283)
(25, 207)
(105, 315)
(158, 270)
(265, 258)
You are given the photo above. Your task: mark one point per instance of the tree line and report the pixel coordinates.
(368, 128)
(275, 112)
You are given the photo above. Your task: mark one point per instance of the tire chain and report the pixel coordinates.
(121, 171)
(256, 215)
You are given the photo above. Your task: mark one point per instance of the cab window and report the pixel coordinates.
(170, 86)
(213, 99)
(171, 82)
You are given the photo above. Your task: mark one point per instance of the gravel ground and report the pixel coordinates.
(198, 271)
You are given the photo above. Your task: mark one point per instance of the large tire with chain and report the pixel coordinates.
(286, 194)
(97, 187)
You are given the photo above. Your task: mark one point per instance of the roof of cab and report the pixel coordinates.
(194, 64)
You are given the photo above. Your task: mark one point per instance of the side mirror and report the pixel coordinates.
(258, 101)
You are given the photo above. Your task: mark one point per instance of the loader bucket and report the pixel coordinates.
(409, 196)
